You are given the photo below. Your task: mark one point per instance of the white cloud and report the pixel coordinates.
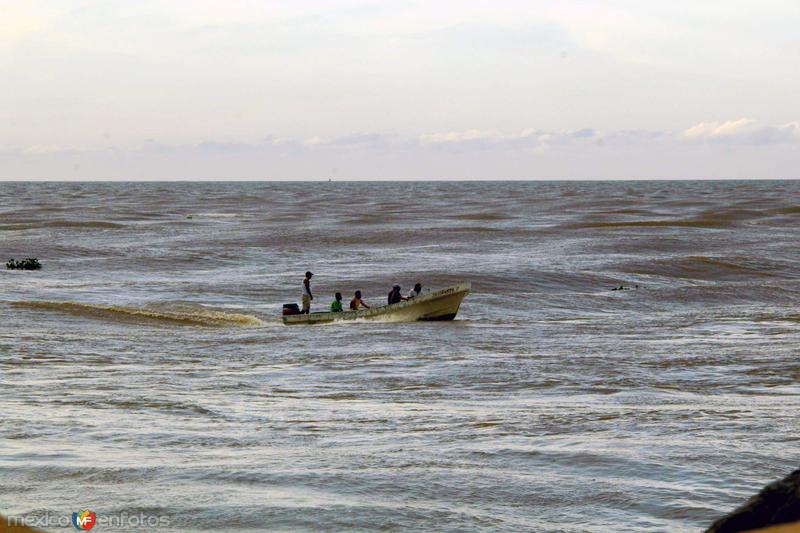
(40, 149)
(777, 134)
(19, 20)
(715, 130)
(460, 136)
(526, 139)
(762, 151)
(603, 28)
(743, 130)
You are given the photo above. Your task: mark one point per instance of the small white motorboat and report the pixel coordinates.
(436, 305)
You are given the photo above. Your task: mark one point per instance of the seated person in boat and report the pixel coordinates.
(357, 302)
(395, 296)
(416, 291)
(336, 304)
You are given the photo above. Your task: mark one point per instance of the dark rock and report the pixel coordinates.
(777, 503)
(29, 263)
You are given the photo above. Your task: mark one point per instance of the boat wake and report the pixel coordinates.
(180, 314)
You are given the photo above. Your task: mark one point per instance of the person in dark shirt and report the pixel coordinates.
(395, 296)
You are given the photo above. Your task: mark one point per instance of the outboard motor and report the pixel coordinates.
(291, 309)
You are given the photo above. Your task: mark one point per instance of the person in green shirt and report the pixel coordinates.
(336, 304)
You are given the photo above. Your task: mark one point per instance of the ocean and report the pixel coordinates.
(145, 372)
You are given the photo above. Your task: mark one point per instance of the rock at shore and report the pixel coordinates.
(777, 503)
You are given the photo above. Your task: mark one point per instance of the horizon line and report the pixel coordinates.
(368, 180)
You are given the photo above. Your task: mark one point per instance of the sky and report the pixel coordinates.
(346, 89)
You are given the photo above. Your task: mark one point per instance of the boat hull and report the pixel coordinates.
(433, 306)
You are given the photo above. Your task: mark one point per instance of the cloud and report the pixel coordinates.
(456, 75)
(459, 136)
(743, 130)
(700, 151)
(19, 21)
(777, 134)
(715, 130)
(362, 139)
(596, 27)
(527, 139)
(680, 34)
(40, 149)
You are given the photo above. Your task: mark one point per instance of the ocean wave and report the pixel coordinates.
(791, 210)
(716, 217)
(188, 315)
(687, 223)
(214, 215)
(483, 216)
(101, 224)
(470, 229)
(710, 268)
(732, 214)
(777, 317)
(627, 211)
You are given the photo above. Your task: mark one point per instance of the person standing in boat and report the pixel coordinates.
(416, 291)
(357, 302)
(307, 296)
(336, 304)
(395, 296)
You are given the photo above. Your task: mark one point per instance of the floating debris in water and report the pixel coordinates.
(29, 263)
(624, 288)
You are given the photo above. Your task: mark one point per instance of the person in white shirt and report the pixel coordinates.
(307, 296)
(416, 291)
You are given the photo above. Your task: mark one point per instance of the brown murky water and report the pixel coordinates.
(144, 370)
